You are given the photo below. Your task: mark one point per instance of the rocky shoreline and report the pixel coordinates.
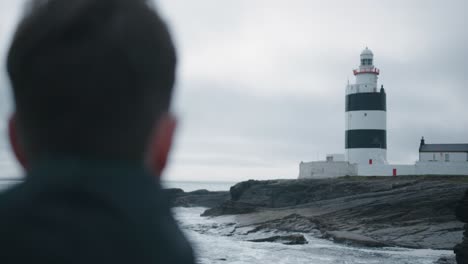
(413, 212)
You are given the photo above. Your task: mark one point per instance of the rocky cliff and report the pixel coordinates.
(416, 212)
(461, 211)
(199, 198)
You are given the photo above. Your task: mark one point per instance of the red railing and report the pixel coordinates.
(361, 71)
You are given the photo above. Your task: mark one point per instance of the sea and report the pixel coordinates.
(212, 244)
(189, 186)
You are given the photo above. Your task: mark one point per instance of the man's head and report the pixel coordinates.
(91, 79)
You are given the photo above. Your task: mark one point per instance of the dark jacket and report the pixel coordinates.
(73, 211)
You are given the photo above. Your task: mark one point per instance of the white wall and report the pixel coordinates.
(362, 156)
(440, 156)
(385, 170)
(442, 168)
(420, 168)
(363, 88)
(324, 169)
(368, 119)
(368, 79)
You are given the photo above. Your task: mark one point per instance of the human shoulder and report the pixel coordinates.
(13, 220)
(13, 199)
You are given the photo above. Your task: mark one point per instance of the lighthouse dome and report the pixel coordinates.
(367, 53)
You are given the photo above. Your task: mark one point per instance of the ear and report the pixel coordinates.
(161, 143)
(15, 142)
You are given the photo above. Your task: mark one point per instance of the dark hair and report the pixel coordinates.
(90, 78)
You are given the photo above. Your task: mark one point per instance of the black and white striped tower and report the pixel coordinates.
(366, 115)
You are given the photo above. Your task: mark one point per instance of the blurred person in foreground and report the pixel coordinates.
(92, 82)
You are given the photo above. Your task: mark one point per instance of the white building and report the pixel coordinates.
(366, 137)
(443, 152)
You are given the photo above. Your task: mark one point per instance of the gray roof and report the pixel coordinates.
(444, 148)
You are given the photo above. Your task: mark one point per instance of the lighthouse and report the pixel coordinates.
(366, 138)
(366, 115)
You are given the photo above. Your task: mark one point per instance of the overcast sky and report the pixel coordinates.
(261, 84)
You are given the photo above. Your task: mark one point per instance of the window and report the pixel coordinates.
(447, 157)
(366, 62)
(365, 114)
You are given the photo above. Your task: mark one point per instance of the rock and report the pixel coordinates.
(295, 239)
(446, 260)
(289, 223)
(407, 211)
(198, 198)
(230, 208)
(353, 239)
(238, 189)
(461, 210)
(172, 193)
(461, 249)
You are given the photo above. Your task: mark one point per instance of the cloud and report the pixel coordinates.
(261, 83)
(271, 75)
